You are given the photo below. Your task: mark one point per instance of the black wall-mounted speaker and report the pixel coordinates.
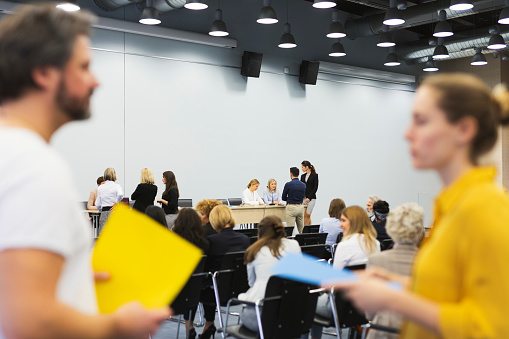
(251, 64)
(308, 72)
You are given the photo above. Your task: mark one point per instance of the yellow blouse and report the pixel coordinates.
(464, 264)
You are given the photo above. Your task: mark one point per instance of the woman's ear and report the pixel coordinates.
(467, 128)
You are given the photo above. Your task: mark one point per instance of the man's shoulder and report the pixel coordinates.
(25, 154)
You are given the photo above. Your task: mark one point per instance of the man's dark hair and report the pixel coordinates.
(36, 35)
(381, 206)
(100, 180)
(294, 171)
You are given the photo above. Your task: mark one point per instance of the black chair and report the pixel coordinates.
(235, 201)
(344, 314)
(317, 251)
(185, 203)
(311, 229)
(229, 281)
(250, 232)
(289, 230)
(224, 201)
(311, 238)
(386, 244)
(252, 240)
(286, 312)
(340, 236)
(189, 296)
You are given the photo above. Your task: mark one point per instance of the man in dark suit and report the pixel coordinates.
(293, 194)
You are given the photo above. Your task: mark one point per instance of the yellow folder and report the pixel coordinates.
(146, 261)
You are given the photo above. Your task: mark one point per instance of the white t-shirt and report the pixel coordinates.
(39, 210)
(352, 252)
(260, 270)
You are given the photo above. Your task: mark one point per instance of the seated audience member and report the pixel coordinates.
(405, 227)
(108, 194)
(358, 243)
(369, 206)
(331, 225)
(381, 209)
(250, 196)
(188, 226)
(145, 192)
(157, 214)
(260, 258)
(271, 195)
(227, 240)
(93, 195)
(204, 208)
(170, 198)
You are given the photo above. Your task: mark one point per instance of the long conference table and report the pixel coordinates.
(243, 214)
(247, 214)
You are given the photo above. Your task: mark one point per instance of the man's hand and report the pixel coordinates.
(133, 321)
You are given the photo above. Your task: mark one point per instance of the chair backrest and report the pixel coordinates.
(340, 236)
(386, 244)
(291, 315)
(317, 251)
(232, 277)
(189, 297)
(235, 201)
(224, 201)
(185, 203)
(347, 313)
(84, 205)
(252, 240)
(250, 232)
(311, 238)
(289, 230)
(311, 229)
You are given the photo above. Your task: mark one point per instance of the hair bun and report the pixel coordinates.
(500, 95)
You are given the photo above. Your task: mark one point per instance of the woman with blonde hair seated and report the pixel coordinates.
(250, 196)
(226, 240)
(204, 208)
(358, 243)
(260, 258)
(271, 195)
(145, 192)
(405, 227)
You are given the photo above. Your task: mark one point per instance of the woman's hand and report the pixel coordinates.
(162, 201)
(101, 276)
(261, 203)
(307, 201)
(380, 273)
(368, 294)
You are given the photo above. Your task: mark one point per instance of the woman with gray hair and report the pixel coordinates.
(405, 227)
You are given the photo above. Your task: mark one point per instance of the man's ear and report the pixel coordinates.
(45, 77)
(467, 128)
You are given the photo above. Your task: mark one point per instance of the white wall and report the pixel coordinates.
(217, 130)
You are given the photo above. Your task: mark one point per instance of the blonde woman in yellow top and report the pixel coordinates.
(460, 284)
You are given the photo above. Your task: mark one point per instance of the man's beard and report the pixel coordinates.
(75, 108)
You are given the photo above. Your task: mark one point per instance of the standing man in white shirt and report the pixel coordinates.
(46, 279)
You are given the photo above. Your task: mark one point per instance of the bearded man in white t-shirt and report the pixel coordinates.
(46, 280)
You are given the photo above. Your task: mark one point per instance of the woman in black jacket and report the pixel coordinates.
(169, 200)
(310, 178)
(145, 192)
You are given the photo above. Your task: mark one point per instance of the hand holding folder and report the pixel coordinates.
(147, 262)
